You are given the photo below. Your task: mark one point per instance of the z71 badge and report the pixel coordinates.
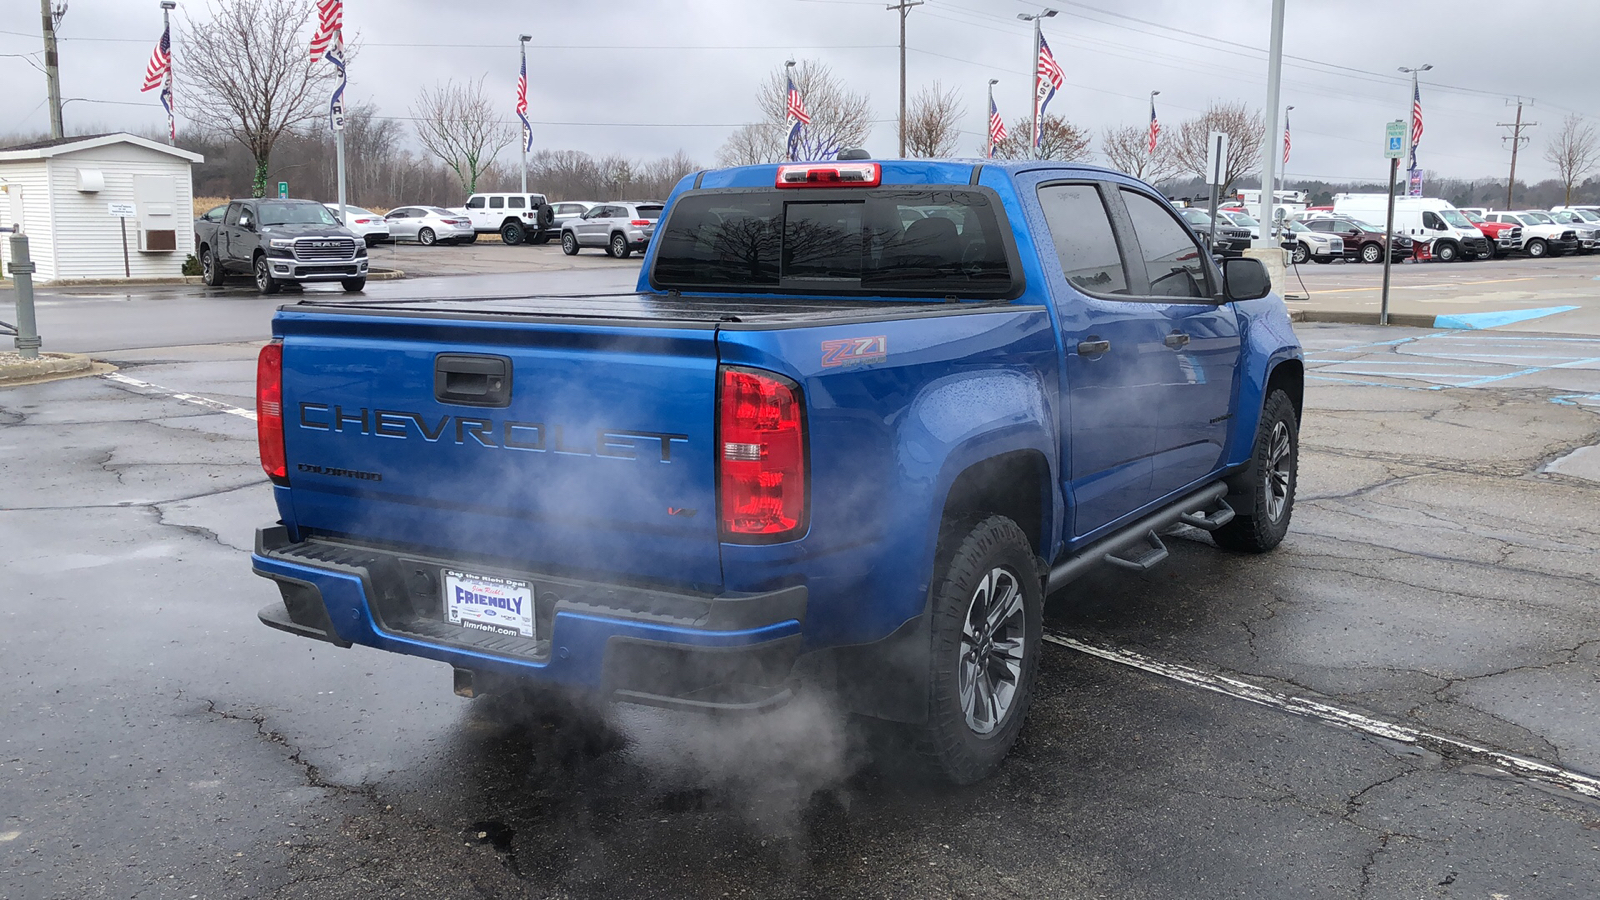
(854, 351)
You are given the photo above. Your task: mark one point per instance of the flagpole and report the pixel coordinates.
(1150, 140)
(172, 97)
(988, 124)
(338, 126)
(527, 131)
(1038, 76)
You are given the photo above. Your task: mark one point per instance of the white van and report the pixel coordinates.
(1450, 234)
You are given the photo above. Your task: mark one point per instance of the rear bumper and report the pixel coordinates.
(625, 643)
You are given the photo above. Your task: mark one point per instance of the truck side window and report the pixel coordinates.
(1431, 221)
(475, 203)
(232, 218)
(516, 203)
(1081, 230)
(1174, 263)
(497, 203)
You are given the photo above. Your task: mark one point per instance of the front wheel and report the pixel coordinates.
(1371, 253)
(1322, 260)
(1537, 248)
(569, 243)
(987, 625)
(427, 238)
(265, 283)
(619, 247)
(1263, 495)
(352, 285)
(512, 233)
(1301, 254)
(1445, 252)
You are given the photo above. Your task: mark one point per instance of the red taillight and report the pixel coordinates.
(834, 174)
(761, 457)
(269, 412)
(640, 223)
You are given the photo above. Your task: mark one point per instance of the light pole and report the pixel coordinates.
(1411, 120)
(1269, 163)
(988, 123)
(167, 6)
(1150, 139)
(1033, 139)
(527, 130)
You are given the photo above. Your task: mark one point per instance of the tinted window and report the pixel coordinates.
(497, 203)
(649, 211)
(296, 214)
(475, 203)
(1321, 225)
(1085, 245)
(1172, 260)
(233, 213)
(1429, 220)
(517, 202)
(847, 240)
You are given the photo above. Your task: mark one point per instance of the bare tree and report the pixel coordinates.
(1058, 139)
(1245, 132)
(840, 118)
(1573, 152)
(250, 61)
(457, 123)
(933, 122)
(1128, 150)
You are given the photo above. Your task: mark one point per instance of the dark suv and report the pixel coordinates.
(1362, 241)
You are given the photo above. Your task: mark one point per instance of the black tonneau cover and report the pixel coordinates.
(651, 307)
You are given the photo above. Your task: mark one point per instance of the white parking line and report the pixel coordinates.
(1449, 747)
(156, 390)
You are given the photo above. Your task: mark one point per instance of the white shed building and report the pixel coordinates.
(68, 194)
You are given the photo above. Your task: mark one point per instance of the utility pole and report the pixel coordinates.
(52, 63)
(904, 7)
(1038, 37)
(1517, 140)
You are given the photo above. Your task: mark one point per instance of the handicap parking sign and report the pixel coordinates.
(1395, 137)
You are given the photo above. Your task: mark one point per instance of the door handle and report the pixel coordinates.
(1177, 340)
(472, 379)
(1093, 348)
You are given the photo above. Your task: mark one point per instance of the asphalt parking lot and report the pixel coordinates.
(1398, 703)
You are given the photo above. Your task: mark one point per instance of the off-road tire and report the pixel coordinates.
(211, 268)
(1263, 494)
(262, 271)
(539, 239)
(512, 233)
(948, 746)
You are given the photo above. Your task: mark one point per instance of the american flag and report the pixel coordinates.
(522, 106)
(797, 107)
(1155, 129)
(330, 21)
(1416, 123)
(155, 74)
(1286, 139)
(1050, 79)
(997, 127)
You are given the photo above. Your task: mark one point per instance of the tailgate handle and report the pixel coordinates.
(472, 379)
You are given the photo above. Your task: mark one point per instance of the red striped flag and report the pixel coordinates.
(330, 21)
(797, 107)
(997, 127)
(1155, 129)
(155, 74)
(1286, 139)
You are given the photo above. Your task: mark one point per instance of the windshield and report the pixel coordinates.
(1196, 217)
(1297, 227)
(1586, 215)
(1538, 218)
(1475, 219)
(1455, 218)
(847, 240)
(439, 212)
(1367, 227)
(296, 214)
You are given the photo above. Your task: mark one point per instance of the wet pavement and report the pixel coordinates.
(158, 742)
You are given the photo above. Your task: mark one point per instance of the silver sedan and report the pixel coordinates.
(429, 225)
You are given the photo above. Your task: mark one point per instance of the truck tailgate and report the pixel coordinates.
(583, 448)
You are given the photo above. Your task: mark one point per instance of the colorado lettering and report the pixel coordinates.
(470, 598)
(477, 431)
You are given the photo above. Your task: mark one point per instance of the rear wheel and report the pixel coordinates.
(619, 247)
(1266, 489)
(426, 237)
(352, 285)
(569, 243)
(1537, 248)
(539, 239)
(512, 233)
(265, 283)
(470, 239)
(210, 268)
(1371, 253)
(987, 627)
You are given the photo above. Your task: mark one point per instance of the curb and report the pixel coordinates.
(14, 368)
(1405, 320)
(372, 275)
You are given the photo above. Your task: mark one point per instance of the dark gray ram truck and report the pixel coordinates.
(278, 241)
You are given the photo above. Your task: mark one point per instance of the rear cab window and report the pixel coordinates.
(882, 241)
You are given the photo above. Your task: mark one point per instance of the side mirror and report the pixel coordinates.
(1245, 279)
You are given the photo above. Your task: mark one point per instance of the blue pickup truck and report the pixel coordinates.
(858, 419)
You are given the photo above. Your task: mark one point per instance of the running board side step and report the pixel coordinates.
(1203, 509)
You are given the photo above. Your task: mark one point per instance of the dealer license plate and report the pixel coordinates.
(486, 603)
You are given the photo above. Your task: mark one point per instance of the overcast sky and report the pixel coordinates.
(648, 77)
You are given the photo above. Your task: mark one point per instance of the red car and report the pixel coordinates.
(1504, 237)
